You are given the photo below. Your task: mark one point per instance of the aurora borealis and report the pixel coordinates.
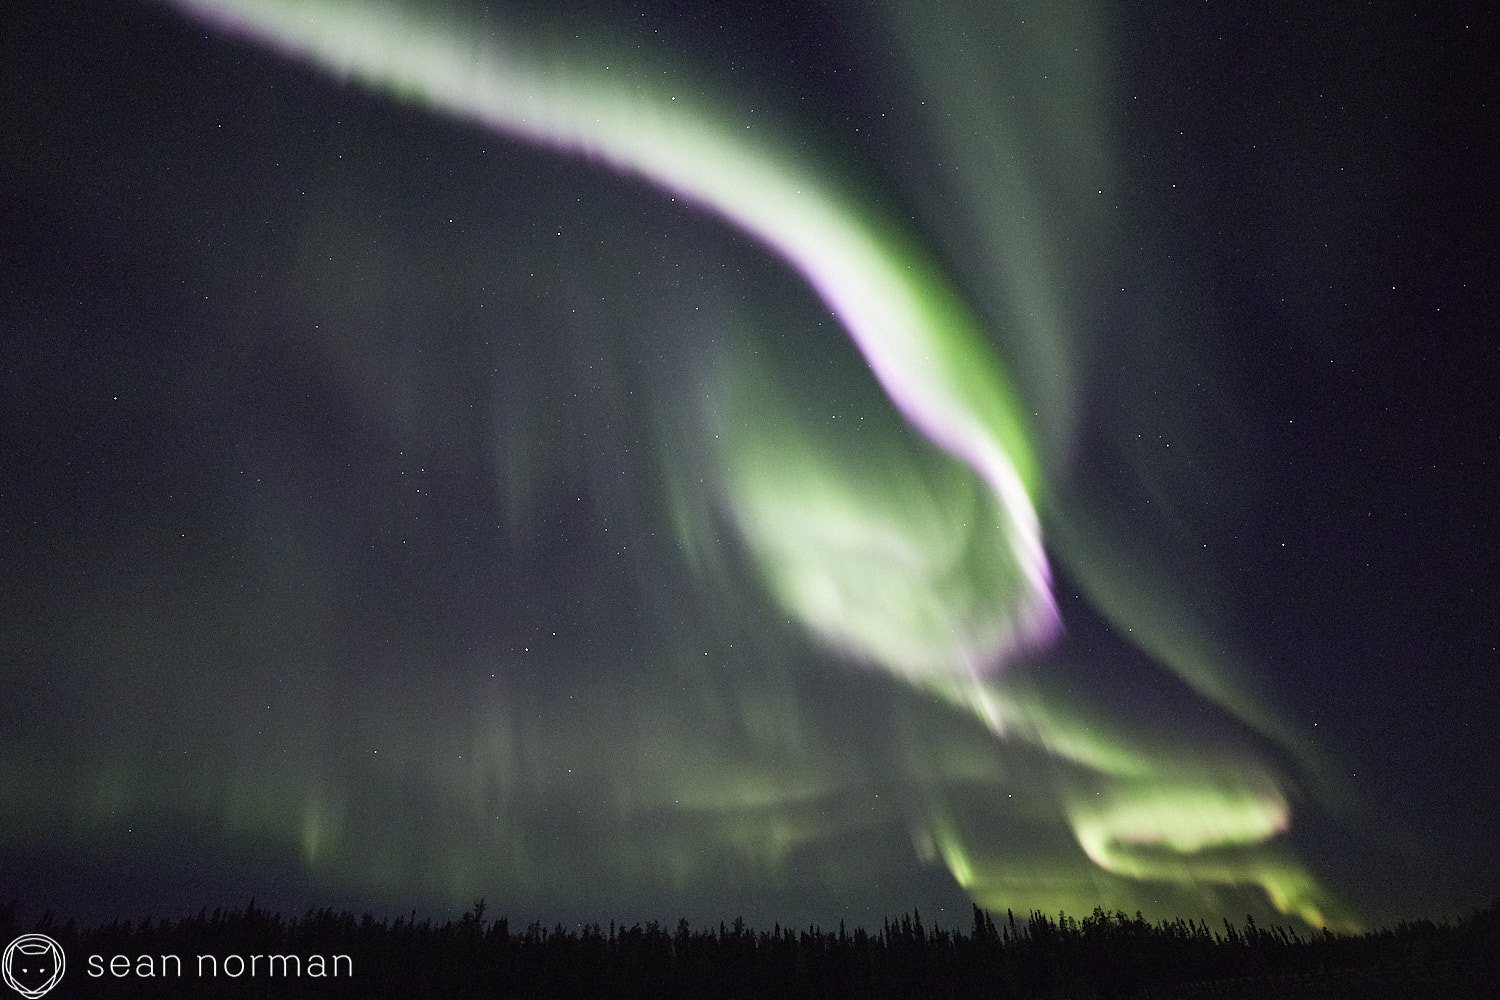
(804, 464)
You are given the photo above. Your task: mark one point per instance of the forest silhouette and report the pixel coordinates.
(1102, 955)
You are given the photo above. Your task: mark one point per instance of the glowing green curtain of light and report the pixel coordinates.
(929, 567)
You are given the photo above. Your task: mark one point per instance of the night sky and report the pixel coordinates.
(679, 459)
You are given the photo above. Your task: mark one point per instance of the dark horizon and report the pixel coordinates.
(327, 953)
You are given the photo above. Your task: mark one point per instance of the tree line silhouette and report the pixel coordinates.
(1103, 955)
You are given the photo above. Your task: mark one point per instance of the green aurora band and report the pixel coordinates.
(917, 554)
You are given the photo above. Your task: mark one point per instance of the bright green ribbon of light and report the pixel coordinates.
(919, 338)
(930, 566)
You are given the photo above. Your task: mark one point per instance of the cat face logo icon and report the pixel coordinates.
(33, 964)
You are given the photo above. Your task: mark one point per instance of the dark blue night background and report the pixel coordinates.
(400, 507)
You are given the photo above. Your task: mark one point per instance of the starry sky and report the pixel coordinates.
(655, 460)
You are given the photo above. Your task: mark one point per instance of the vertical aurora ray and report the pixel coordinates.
(928, 564)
